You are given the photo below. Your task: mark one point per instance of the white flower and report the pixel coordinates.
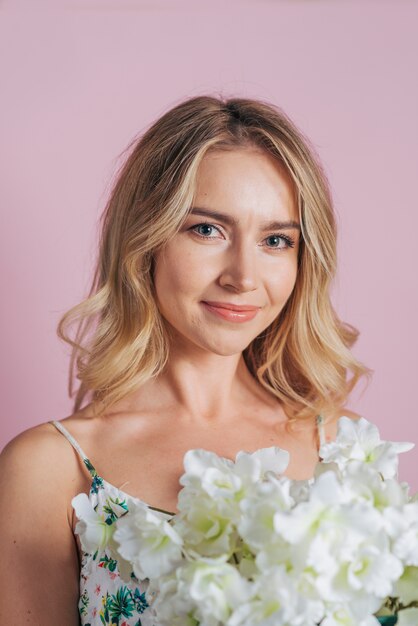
(216, 587)
(250, 547)
(406, 588)
(256, 466)
(213, 481)
(406, 542)
(362, 580)
(209, 503)
(365, 483)
(171, 601)
(278, 553)
(256, 526)
(338, 541)
(374, 569)
(148, 541)
(299, 489)
(325, 493)
(275, 601)
(225, 481)
(92, 529)
(203, 592)
(204, 528)
(408, 617)
(369, 621)
(342, 615)
(360, 440)
(197, 462)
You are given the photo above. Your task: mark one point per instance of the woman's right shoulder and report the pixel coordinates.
(40, 462)
(34, 446)
(40, 561)
(34, 440)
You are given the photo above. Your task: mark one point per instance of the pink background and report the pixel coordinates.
(80, 78)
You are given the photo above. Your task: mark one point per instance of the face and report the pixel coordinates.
(226, 275)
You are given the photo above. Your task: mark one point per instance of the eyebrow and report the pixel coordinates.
(231, 221)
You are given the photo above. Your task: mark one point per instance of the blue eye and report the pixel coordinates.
(273, 241)
(205, 230)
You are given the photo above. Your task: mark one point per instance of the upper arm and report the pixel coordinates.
(39, 573)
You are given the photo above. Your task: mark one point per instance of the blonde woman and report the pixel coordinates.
(208, 325)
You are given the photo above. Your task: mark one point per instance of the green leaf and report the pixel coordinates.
(140, 601)
(89, 467)
(121, 604)
(83, 603)
(108, 563)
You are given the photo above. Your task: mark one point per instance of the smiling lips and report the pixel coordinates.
(232, 312)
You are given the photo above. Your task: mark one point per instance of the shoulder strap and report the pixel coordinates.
(76, 446)
(321, 429)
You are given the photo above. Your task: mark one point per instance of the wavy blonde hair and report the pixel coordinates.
(303, 357)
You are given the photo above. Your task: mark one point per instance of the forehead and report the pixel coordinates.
(246, 180)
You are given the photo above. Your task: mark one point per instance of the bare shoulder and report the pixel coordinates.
(32, 447)
(40, 460)
(331, 421)
(35, 442)
(40, 573)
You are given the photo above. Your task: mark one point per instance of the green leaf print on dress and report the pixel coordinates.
(121, 605)
(96, 484)
(108, 563)
(140, 602)
(104, 613)
(84, 603)
(116, 606)
(97, 480)
(90, 467)
(114, 508)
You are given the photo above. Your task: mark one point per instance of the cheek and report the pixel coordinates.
(177, 275)
(282, 282)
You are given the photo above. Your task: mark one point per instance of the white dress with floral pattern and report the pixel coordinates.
(105, 598)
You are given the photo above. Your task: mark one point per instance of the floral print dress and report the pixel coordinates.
(106, 598)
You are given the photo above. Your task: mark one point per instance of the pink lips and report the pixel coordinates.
(232, 312)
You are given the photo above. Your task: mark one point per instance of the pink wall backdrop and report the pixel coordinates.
(80, 78)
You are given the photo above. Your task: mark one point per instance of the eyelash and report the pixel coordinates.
(290, 243)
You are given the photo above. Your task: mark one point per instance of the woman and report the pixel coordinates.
(208, 325)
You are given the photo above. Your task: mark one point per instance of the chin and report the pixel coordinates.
(225, 348)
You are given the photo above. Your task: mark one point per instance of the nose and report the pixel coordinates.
(240, 272)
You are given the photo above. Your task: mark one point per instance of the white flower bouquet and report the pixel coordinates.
(251, 547)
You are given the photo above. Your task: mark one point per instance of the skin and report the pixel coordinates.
(228, 264)
(205, 397)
